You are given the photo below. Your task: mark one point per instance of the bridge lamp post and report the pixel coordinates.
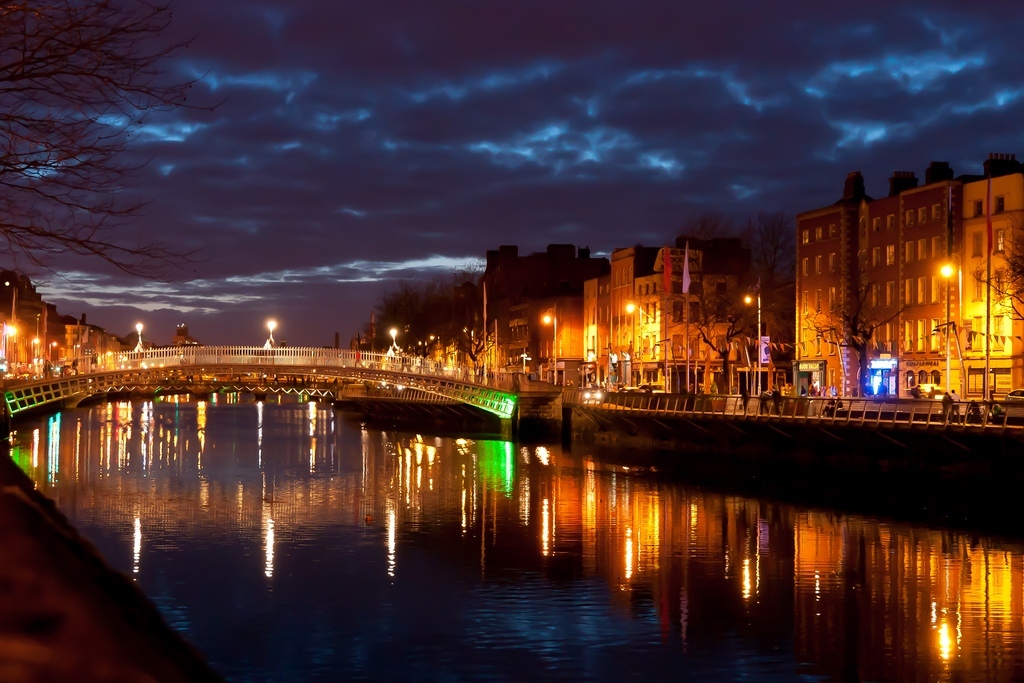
(138, 331)
(53, 353)
(552, 320)
(394, 334)
(271, 325)
(749, 300)
(35, 350)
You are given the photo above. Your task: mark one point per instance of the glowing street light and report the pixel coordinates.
(138, 331)
(394, 333)
(552, 320)
(53, 353)
(271, 325)
(748, 299)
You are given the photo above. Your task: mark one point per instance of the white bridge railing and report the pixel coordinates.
(284, 358)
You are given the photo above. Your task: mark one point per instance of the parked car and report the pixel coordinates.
(592, 396)
(1015, 395)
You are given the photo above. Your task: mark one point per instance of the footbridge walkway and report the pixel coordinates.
(321, 372)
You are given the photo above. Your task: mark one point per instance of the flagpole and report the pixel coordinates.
(986, 393)
(686, 309)
(486, 349)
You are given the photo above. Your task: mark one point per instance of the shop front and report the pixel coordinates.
(809, 373)
(883, 376)
(925, 374)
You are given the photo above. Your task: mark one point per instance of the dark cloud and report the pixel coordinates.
(359, 143)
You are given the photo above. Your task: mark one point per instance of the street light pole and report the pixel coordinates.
(749, 300)
(138, 330)
(947, 272)
(759, 350)
(552, 319)
(271, 325)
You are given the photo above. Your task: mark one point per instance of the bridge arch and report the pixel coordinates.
(249, 368)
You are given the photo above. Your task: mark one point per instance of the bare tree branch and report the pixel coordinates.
(77, 80)
(852, 323)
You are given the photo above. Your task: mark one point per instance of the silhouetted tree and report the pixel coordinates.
(852, 322)
(77, 79)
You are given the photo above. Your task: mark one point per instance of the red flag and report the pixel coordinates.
(667, 269)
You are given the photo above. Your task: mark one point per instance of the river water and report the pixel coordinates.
(289, 543)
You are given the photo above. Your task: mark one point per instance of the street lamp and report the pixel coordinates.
(53, 353)
(394, 333)
(553, 321)
(749, 300)
(35, 350)
(138, 330)
(271, 326)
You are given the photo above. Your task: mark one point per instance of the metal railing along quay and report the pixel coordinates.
(852, 412)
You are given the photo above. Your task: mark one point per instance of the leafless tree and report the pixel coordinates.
(77, 79)
(1007, 279)
(852, 323)
(707, 226)
(444, 313)
(720, 317)
(772, 237)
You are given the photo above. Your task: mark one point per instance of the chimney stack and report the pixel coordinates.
(938, 171)
(999, 164)
(900, 181)
(853, 190)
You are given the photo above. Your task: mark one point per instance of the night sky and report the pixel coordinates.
(362, 143)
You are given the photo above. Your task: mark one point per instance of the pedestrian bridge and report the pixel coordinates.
(317, 372)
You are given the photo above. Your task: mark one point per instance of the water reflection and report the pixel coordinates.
(288, 543)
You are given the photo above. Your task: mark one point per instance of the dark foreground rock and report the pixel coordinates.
(65, 615)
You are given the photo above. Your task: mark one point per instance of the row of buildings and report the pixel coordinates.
(913, 289)
(907, 290)
(628, 320)
(35, 338)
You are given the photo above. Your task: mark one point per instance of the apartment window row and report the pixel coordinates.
(819, 233)
(998, 206)
(978, 241)
(921, 215)
(805, 264)
(921, 335)
(922, 247)
(890, 222)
